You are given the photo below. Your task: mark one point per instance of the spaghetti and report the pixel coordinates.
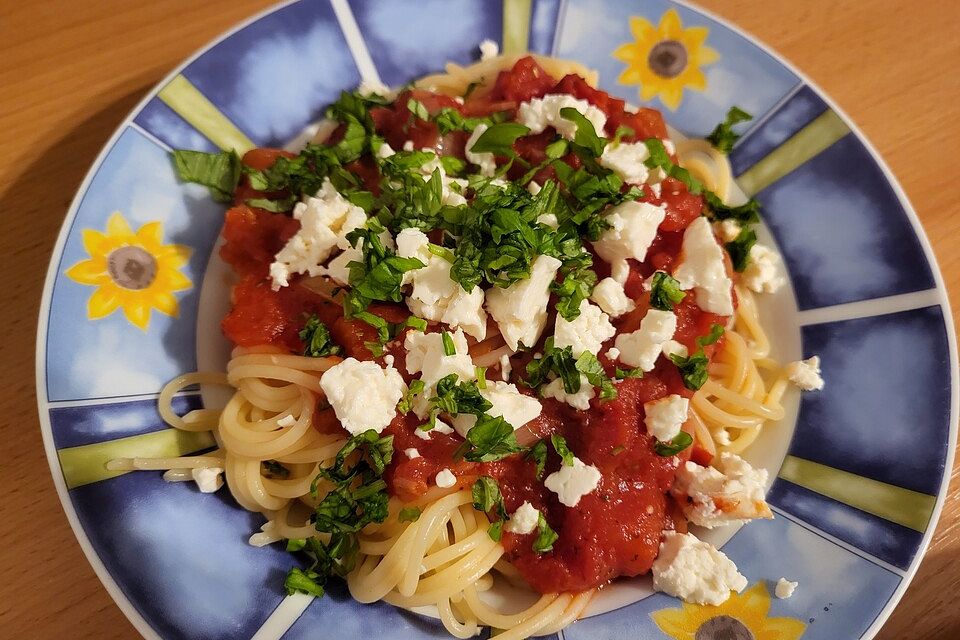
(445, 558)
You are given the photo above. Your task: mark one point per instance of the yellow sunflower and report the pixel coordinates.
(742, 617)
(132, 270)
(666, 59)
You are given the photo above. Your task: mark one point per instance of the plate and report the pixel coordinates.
(135, 290)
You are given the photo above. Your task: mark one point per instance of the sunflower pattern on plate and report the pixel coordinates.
(744, 616)
(665, 59)
(131, 270)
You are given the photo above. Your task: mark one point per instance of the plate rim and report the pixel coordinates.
(127, 607)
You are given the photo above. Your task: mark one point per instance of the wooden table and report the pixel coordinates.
(72, 71)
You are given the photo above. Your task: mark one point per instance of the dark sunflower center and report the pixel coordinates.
(723, 628)
(132, 268)
(667, 59)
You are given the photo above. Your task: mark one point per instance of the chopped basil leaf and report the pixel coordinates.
(590, 366)
(744, 214)
(300, 581)
(546, 536)
(316, 339)
(586, 136)
(418, 109)
(665, 291)
(739, 248)
(491, 438)
(481, 377)
(417, 323)
(495, 530)
(415, 388)
(275, 470)
(274, 206)
(623, 131)
(556, 149)
(449, 349)
(560, 446)
(538, 453)
(410, 514)
(498, 139)
(621, 374)
(452, 165)
(296, 544)
(487, 497)
(716, 331)
(675, 446)
(455, 397)
(693, 369)
(722, 137)
(218, 172)
(441, 252)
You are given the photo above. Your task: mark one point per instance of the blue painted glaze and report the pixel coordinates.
(89, 424)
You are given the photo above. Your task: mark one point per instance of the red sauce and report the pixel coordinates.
(613, 531)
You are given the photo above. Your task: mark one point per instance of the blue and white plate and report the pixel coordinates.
(134, 293)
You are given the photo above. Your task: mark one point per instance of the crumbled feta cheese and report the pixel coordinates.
(674, 348)
(337, 269)
(489, 49)
(642, 347)
(363, 394)
(425, 355)
(374, 87)
(633, 226)
(695, 571)
(408, 145)
(665, 416)
(208, 479)
(505, 367)
(626, 160)
(325, 221)
(549, 220)
(620, 271)
(540, 113)
(439, 426)
(609, 294)
(762, 274)
(286, 421)
(656, 189)
(524, 520)
(435, 296)
(733, 491)
(514, 407)
(728, 230)
(572, 482)
(579, 400)
(411, 453)
(485, 161)
(722, 437)
(388, 360)
(534, 187)
(613, 353)
(521, 309)
(268, 534)
(785, 588)
(702, 269)
(445, 479)
(805, 373)
(669, 146)
(385, 150)
(587, 332)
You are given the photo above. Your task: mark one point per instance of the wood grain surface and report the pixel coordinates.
(74, 69)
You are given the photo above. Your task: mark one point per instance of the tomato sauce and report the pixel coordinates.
(613, 531)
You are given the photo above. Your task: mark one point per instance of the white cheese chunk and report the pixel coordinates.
(286, 421)
(702, 269)
(439, 426)
(805, 374)
(521, 309)
(728, 230)
(411, 453)
(540, 113)
(609, 294)
(445, 479)
(587, 332)
(579, 400)
(613, 353)
(785, 588)
(633, 226)
(572, 482)
(452, 189)
(485, 161)
(695, 571)
(524, 520)
(505, 367)
(674, 348)
(733, 491)
(626, 160)
(642, 347)
(548, 220)
(425, 355)
(762, 274)
(534, 188)
(665, 416)
(363, 394)
(325, 221)
(514, 407)
(208, 479)
(435, 296)
(489, 49)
